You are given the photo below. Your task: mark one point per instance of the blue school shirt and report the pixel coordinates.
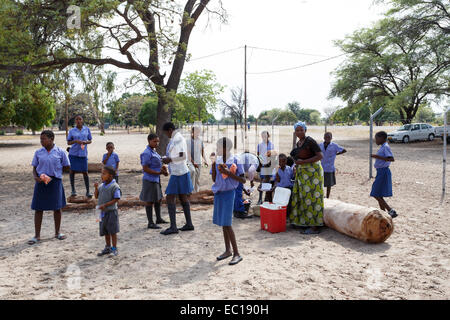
(329, 156)
(227, 184)
(263, 148)
(112, 161)
(51, 163)
(151, 159)
(286, 177)
(384, 151)
(83, 135)
(248, 160)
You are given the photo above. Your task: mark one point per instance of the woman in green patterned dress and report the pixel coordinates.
(307, 193)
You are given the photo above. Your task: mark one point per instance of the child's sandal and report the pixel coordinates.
(33, 240)
(60, 236)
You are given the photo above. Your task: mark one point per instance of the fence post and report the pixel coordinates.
(371, 140)
(235, 136)
(444, 155)
(256, 133)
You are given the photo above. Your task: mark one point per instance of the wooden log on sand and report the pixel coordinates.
(92, 167)
(83, 202)
(363, 223)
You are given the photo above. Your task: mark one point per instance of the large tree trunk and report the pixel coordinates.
(164, 114)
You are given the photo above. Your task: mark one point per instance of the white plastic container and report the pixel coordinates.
(280, 199)
(97, 214)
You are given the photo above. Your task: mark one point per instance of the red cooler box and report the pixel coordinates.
(273, 215)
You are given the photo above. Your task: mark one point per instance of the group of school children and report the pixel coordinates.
(227, 174)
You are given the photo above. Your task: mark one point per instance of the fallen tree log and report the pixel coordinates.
(83, 202)
(92, 167)
(367, 224)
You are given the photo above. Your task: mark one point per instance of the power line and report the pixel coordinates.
(216, 54)
(290, 52)
(298, 67)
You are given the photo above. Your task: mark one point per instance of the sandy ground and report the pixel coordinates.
(413, 263)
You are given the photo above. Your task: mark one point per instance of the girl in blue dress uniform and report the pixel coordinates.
(78, 138)
(50, 160)
(225, 183)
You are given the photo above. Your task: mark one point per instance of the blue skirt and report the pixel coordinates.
(382, 186)
(78, 164)
(223, 211)
(180, 184)
(238, 201)
(49, 197)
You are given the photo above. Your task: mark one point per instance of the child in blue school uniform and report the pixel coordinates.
(227, 172)
(382, 186)
(48, 164)
(108, 194)
(111, 159)
(78, 138)
(151, 192)
(250, 163)
(284, 175)
(329, 150)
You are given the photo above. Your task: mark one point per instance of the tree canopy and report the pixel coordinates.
(395, 64)
(119, 33)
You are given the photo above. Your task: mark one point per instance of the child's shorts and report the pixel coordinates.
(110, 223)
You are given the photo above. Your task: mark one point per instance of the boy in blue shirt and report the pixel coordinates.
(108, 194)
(284, 175)
(382, 186)
(111, 159)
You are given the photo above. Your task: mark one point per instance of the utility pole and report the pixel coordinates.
(67, 108)
(245, 100)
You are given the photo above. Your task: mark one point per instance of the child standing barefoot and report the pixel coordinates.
(382, 186)
(108, 194)
(151, 192)
(48, 164)
(227, 173)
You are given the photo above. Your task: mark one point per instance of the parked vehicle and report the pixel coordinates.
(412, 132)
(439, 132)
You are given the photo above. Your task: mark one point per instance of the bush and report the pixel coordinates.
(2, 133)
(102, 134)
(19, 132)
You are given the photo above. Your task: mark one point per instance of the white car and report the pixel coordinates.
(439, 131)
(412, 132)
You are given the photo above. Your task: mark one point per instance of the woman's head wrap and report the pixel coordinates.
(300, 124)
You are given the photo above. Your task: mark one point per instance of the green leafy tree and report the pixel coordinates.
(34, 107)
(314, 117)
(425, 114)
(202, 86)
(405, 67)
(148, 36)
(147, 115)
(99, 85)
